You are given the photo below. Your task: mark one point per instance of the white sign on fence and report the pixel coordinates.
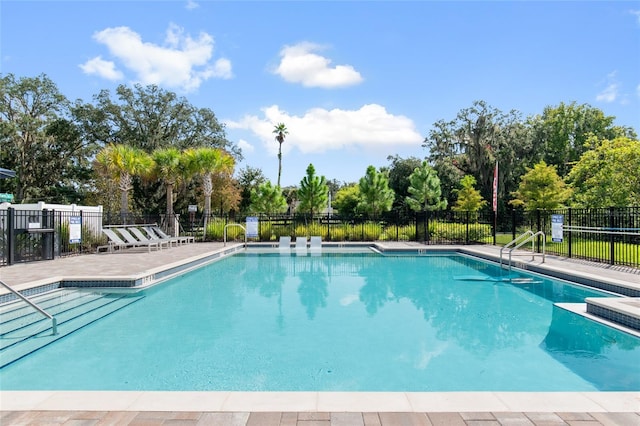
(252, 227)
(75, 229)
(556, 228)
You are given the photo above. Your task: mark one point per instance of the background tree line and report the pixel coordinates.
(67, 152)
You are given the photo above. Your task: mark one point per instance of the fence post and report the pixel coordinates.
(466, 237)
(328, 226)
(513, 224)
(11, 236)
(612, 243)
(539, 228)
(569, 237)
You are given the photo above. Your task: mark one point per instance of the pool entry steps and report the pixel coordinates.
(23, 330)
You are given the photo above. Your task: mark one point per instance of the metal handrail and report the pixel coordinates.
(54, 322)
(234, 224)
(528, 233)
(533, 253)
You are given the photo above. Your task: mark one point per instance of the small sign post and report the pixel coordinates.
(252, 227)
(557, 221)
(75, 229)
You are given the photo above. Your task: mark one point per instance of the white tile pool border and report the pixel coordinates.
(320, 401)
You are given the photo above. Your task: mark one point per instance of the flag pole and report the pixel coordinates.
(495, 202)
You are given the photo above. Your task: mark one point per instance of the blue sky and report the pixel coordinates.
(354, 81)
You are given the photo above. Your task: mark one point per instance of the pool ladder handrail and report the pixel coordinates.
(529, 236)
(54, 321)
(234, 224)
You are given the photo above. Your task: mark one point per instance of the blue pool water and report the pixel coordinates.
(341, 322)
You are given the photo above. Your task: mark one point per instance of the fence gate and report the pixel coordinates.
(27, 236)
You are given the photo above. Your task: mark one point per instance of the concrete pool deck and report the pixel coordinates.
(300, 408)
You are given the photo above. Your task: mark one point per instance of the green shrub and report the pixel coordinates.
(407, 233)
(372, 231)
(265, 231)
(339, 233)
(215, 230)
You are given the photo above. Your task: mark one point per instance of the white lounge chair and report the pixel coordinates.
(142, 237)
(137, 243)
(301, 245)
(284, 245)
(155, 237)
(115, 242)
(181, 239)
(315, 245)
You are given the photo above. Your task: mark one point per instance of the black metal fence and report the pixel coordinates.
(428, 228)
(610, 235)
(605, 235)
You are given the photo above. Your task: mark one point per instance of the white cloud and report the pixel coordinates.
(192, 5)
(298, 64)
(349, 299)
(638, 90)
(246, 146)
(182, 62)
(102, 68)
(611, 91)
(636, 13)
(369, 128)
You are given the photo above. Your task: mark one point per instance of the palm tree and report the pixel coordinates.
(205, 162)
(121, 163)
(168, 167)
(281, 132)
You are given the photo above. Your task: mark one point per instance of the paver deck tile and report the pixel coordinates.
(545, 419)
(371, 419)
(224, 419)
(515, 419)
(264, 419)
(448, 419)
(289, 419)
(404, 419)
(347, 419)
(621, 419)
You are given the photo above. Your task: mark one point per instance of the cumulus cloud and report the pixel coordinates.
(182, 62)
(369, 128)
(192, 5)
(636, 13)
(245, 146)
(299, 64)
(611, 91)
(102, 68)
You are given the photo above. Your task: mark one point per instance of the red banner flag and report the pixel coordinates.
(495, 188)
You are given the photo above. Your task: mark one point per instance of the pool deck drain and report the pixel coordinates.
(302, 408)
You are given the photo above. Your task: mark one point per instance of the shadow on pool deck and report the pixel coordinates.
(280, 409)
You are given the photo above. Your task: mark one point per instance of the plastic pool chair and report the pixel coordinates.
(284, 245)
(315, 245)
(301, 245)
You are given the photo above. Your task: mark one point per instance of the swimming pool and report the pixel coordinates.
(348, 321)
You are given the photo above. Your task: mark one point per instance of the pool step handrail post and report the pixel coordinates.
(531, 239)
(225, 233)
(528, 233)
(54, 321)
